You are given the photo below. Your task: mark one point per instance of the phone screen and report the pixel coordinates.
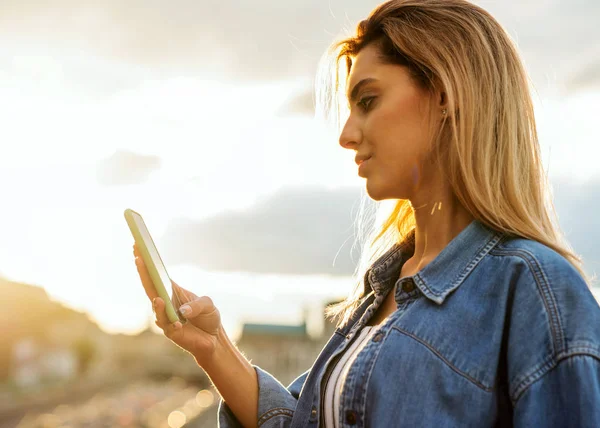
(160, 267)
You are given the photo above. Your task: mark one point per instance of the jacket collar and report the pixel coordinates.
(442, 275)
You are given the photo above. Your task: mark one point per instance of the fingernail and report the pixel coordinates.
(154, 302)
(185, 310)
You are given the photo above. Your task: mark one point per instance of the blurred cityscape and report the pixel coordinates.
(58, 369)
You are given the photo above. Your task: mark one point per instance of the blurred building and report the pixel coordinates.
(285, 351)
(34, 363)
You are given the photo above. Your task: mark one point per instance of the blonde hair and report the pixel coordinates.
(488, 141)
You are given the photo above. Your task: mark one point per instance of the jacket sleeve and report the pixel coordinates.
(276, 403)
(568, 395)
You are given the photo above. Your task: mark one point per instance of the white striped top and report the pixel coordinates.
(333, 389)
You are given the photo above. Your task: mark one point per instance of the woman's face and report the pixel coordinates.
(388, 125)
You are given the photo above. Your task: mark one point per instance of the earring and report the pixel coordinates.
(444, 111)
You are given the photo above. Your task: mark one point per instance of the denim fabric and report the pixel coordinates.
(504, 332)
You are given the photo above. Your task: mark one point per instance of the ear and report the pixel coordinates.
(443, 100)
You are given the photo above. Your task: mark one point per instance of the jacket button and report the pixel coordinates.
(351, 417)
(313, 412)
(378, 337)
(408, 286)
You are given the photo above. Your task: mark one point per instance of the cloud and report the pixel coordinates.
(123, 168)
(296, 231)
(300, 231)
(556, 38)
(260, 40)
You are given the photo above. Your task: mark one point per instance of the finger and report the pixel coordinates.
(162, 320)
(161, 315)
(145, 278)
(169, 328)
(175, 332)
(201, 306)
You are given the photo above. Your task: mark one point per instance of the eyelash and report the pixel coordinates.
(365, 103)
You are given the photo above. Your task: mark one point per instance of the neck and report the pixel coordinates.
(439, 219)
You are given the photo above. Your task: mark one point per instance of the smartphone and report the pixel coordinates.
(155, 266)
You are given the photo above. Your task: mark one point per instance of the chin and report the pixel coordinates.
(383, 191)
(379, 193)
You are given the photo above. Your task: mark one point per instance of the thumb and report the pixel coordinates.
(201, 306)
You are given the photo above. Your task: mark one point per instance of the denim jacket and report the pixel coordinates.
(503, 332)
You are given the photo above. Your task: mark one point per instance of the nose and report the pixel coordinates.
(351, 135)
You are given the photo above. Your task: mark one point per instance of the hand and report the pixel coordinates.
(200, 334)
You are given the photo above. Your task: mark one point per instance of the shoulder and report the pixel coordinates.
(544, 265)
(538, 258)
(548, 274)
(533, 261)
(551, 315)
(544, 280)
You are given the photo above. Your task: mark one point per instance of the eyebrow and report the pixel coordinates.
(358, 86)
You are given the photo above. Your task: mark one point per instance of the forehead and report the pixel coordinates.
(364, 65)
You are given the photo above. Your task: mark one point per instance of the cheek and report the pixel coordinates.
(399, 138)
(400, 146)
(403, 123)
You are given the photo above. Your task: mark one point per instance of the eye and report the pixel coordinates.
(365, 103)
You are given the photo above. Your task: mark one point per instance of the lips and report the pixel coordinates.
(361, 159)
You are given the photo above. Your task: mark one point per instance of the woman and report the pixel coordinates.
(472, 310)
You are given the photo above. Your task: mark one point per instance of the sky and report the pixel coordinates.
(199, 115)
